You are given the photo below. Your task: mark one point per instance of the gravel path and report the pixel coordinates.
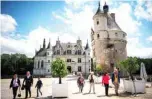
(6, 93)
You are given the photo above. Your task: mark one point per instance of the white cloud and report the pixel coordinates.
(143, 10)
(125, 20)
(149, 38)
(32, 41)
(8, 24)
(135, 48)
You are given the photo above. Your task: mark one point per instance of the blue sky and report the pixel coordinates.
(25, 24)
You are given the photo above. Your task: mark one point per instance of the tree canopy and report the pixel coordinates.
(18, 63)
(59, 68)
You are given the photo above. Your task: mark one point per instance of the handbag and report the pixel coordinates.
(19, 95)
(23, 87)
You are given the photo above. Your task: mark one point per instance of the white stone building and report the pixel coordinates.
(76, 56)
(108, 40)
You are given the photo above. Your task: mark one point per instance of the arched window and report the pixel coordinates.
(98, 35)
(42, 64)
(38, 64)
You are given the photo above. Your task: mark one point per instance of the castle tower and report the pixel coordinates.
(108, 40)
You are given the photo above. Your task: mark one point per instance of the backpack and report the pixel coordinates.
(91, 80)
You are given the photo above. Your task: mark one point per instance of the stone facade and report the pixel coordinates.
(76, 56)
(108, 40)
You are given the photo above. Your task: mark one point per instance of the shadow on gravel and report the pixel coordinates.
(76, 93)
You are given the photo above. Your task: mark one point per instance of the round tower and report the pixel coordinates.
(108, 40)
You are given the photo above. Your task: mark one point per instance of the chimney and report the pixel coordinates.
(113, 16)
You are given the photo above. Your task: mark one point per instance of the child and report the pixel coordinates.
(105, 82)
(38, 85)
(80, 83)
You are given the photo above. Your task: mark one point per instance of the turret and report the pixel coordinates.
(105, 8)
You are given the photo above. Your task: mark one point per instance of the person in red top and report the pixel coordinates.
(105, 82)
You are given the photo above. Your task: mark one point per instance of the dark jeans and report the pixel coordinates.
(38, 91)
(80, 88)
(14, 92)
(106, 89)
(27, 90)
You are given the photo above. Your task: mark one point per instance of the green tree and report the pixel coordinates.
(130, 65)
(98, 68)
(59, 69)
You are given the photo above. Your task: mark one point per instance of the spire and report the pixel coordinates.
(78, 37)
(98, 10)
(49, 45)
(87, 45)
(44, 43)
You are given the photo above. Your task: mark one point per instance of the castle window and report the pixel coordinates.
(58, 52)
(48, 61)
(88, 53)
(79, 60)
(116, 34)
(68, 51)
(98, 35)
(79, 68)
(38, 64)
(79, 52)
(97, 22)
(48, 70)
(42, 64)
(68, 60)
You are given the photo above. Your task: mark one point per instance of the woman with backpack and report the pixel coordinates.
(92, 82)
(80, 83)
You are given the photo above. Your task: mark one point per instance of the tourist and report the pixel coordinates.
(105, 82)
(15, 83)
(80, 83)
(92, 82)
(28, 79)
(38, 86)
(116, 80)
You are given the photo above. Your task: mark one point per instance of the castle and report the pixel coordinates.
(108, 40)
(76, 56)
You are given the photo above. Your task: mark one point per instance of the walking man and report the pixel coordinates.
(28, 79)
(80, 83)
(92, 82)
(116, 80)
(38, 86)
(15, 83)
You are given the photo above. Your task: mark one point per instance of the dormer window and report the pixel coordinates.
(123, 35)
(58, 52)
(68, 46)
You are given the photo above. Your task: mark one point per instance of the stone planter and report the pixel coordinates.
(140, 86)
(59, 90)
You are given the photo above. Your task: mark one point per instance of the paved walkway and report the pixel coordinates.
(6, 93)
